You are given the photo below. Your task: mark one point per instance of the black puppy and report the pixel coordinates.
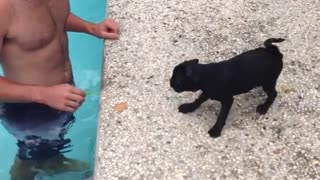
(221, 81)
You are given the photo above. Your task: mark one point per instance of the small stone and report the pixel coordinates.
(277, 151)
(121, 106)
(286, 89)
(316, 163)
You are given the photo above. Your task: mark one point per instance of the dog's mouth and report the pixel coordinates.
(180, 89)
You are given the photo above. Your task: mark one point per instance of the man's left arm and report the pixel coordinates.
(107, 29)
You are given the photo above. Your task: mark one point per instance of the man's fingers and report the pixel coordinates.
(112, 28)
(76, 98)
(111, 24)
(107, 35)
(68, 109)
(73, 104)
(77, 92)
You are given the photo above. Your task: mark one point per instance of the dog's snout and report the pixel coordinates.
(176, 85)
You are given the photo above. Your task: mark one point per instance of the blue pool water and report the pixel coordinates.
(86, 53)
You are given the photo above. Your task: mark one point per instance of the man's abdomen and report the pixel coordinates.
(49, 65)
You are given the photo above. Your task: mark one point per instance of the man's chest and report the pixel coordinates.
(56, 10)
(36, 22)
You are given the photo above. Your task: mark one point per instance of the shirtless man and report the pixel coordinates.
(34, 51)
(37, 92)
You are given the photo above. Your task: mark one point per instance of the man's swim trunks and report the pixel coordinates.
(40, 130)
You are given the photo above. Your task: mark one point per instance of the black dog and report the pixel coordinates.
(221, 81)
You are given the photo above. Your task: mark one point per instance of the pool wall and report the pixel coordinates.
(87, 58)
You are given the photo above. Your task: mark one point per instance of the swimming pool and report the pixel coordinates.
(86, 53)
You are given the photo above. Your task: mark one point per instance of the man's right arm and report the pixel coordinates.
(62, 97)
(13, 92)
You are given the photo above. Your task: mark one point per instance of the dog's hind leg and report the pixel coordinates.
(226, 105)
(190, 107)
(270, 89)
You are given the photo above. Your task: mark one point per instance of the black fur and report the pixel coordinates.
(221, 81)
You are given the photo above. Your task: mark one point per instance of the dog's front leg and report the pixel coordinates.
(190, 107)
(226, 104)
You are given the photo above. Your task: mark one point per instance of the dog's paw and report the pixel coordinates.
(214, 132)
(261, 109)
(186, 108)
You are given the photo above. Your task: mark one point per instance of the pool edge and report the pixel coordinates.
(99, 119)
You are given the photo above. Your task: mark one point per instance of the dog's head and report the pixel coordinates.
(185, 76)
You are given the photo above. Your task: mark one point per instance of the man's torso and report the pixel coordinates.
(35, 50)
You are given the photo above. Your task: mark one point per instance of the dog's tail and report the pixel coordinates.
(269, 46)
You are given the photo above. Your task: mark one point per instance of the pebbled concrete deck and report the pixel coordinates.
(151, 140)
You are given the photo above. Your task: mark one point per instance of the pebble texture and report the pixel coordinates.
(151, 140)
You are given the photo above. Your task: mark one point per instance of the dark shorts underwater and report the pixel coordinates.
(40, 130)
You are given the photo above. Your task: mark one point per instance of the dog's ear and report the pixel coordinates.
(194, 61)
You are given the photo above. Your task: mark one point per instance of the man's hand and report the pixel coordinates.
(107, 29)
(63, 97)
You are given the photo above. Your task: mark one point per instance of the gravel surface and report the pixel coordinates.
(151, 140)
